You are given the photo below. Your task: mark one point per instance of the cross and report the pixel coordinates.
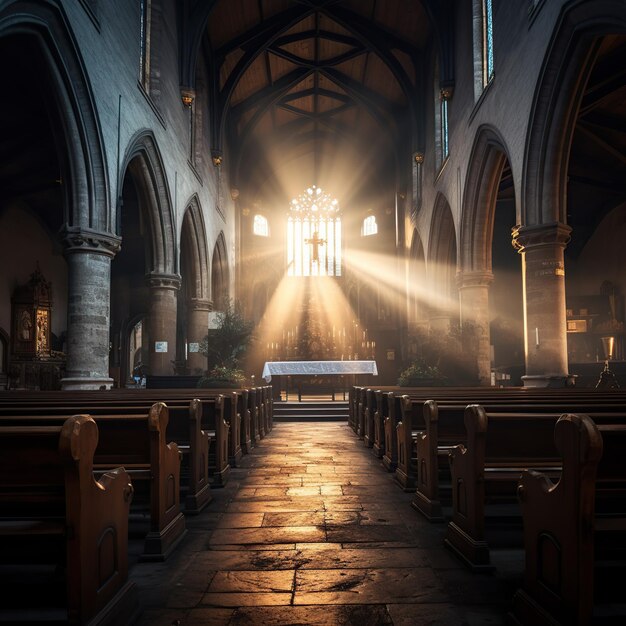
(315, 241)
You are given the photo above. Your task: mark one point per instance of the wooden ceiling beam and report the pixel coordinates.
(323, 34)
(302, 62)
(342, 97)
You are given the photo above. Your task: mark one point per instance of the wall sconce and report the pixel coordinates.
(234, 193)
(187, 96)
(446, 93)
(216, 157)
(418, 157)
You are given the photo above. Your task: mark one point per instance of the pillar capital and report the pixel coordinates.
(469, 279)
(200, 304)
(540, 235)
(76, 239)
(157, 280)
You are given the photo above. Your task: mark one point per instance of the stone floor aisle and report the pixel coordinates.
(311, 530)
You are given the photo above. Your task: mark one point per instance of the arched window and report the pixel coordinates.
(314, 235)
(145, 23)
(261, 226)
(370, 227)
(483, 45)
(442, 146)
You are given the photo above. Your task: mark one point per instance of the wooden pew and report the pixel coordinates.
(485, 470)
(184, 427)
(575, 530)
(368, 417)
(52, 510)
(412, 430)
(137, 442)
(212, 422)
(380, 415)
(390, 455)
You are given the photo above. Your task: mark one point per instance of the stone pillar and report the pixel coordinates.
(88, 256)
(474, 306)
(161, 323)
(545, 332)
(197, 328)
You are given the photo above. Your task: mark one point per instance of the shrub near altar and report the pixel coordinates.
(420, 374)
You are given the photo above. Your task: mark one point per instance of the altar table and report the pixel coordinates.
(314, 368)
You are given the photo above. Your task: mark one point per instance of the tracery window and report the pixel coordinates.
(314, 235)
(370, 227)
(261, 226)
(145, 18)
(442, 141)
(483, 45)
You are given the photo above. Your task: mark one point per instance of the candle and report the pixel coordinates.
(536, 336)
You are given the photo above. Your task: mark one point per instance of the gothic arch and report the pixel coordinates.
(194, 245)
(220, 274)
(487, 160)
(416, 272)
(143, 161)
(87, 205)
(442, 257)
(569, 60)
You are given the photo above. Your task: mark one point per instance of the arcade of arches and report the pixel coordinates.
(149, 162)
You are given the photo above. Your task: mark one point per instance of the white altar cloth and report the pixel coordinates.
(311, 368)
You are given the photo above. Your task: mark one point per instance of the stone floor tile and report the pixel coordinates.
(445, 615)
(308, 518)
(367, 586)
(277, 534)
(375, 615)
(208, 617)
(240, 520)
(252, 581)
(246, 599)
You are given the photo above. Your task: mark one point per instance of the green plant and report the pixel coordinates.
(419, 372)
(222, 376)
(225, 345)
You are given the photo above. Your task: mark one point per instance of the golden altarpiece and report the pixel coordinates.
(34, 365)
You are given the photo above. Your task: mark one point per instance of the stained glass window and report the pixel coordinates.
(487, 41)
(370, 227)
(314, 235)
(261, 226)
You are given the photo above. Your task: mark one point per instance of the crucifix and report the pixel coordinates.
(315, 242)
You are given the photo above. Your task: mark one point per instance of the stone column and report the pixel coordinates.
(197, 328)
(545, 332)
(88, 256)
(161, 323)
(474, 306)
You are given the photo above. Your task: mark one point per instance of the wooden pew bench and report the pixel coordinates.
(183, 428)
(575, 530)
(55, 519)
(485, 471)
(137, 442)
(212, 424)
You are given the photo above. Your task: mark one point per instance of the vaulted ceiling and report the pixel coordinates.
(303, 79)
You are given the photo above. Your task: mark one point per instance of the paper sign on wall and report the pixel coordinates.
(160, 346)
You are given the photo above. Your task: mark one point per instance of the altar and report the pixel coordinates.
(320, 374)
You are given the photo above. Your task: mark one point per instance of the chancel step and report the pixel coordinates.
(312, 410)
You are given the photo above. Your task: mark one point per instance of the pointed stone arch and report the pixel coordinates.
(193, 243)
(416, 272)
(220, 274)
(568, 63)
(488, 158)
(144, 163)
(87, 206)
(442, 261)
(194, 303)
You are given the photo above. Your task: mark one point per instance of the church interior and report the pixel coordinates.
(407, 215)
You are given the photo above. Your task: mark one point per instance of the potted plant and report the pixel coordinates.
(420, 374)
(225, 346)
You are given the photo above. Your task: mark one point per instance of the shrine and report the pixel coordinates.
(34, 364)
